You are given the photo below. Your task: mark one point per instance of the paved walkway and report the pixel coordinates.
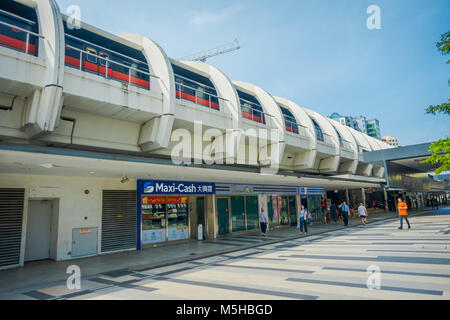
(36, 280)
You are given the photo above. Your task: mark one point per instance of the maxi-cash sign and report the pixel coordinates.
(173, 187)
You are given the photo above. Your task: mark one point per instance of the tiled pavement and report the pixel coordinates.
(415, 264)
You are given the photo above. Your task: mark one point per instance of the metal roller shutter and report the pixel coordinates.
(118, 220)
(11, 217)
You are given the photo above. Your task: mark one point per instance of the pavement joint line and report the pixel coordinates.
(320, 233)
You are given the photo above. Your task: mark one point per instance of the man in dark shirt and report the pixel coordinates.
(344, 211)
(333, 211)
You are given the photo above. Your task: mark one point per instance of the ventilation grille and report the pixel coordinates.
(11, 218)
(118, 220)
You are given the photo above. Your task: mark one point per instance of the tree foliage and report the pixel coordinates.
(440, 155)
(441, 149)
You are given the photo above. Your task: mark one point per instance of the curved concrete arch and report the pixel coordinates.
(268, 104)
(382, 144)
(270, 107)
(224, 88)
(360, 139)
(346, 135)
(155, 134)
(302, 118)
(364, 169)
(326, 127)
(303, 160)
(46, 103)
(373, 143)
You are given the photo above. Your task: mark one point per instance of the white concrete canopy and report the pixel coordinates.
(155, 133)
(45, 104)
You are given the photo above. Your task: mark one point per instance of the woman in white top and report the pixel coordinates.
(362, 213)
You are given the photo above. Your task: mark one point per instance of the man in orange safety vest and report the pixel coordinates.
(403, 213)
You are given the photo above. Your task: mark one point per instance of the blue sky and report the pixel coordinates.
(318, 53)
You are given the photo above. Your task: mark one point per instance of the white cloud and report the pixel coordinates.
(205, 17)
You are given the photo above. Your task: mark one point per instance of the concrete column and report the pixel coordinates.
(363, 196)
(347, 197)
(211, 217)
(298, 200)
(215, 216)
(385, 197)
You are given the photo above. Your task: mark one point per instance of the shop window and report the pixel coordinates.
(177, 213)
(284, 213)
(251, 206)
(273, 207)
(153, 211)
(237, 214)
(293, 210)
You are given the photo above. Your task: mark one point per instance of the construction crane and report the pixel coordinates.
(204, 55)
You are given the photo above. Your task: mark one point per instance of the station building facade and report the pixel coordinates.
(89, 124)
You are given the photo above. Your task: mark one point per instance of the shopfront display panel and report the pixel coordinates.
(153, 215)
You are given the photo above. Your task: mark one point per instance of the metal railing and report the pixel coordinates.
(107, 64)
(28, 34)
(255, 112)
(295, 127)
(196, 82)
(197, 99)
(96, 46)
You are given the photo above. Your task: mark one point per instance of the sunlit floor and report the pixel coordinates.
(413, 264)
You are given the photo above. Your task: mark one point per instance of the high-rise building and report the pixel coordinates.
(373, 128)
(360, 123)
(346, 121)
(392, 141)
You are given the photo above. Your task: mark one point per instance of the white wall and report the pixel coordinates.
(74, 204)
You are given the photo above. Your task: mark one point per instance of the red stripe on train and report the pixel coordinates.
(102, 70)
(17, 44)
(252, 117)
(201, 101)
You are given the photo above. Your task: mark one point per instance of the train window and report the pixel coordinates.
(103, 58)
(92, 57)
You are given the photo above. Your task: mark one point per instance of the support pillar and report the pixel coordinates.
(385, 197)
(363, 196)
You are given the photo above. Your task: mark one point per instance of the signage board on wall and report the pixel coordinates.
(311, 191)
(178, 233)
(153, 236)
(173, 187)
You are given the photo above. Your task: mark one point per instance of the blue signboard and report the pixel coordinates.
(311, 191)
(172, 187)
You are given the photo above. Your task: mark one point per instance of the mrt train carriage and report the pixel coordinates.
(251, 108)
(15, 20)
(90, 52)
(195, 88)
(289, 120)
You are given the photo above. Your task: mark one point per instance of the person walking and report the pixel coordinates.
(333, 211)
(362, 213)
(344, 212)
(403, 213)
(264, 222)
(303, 220)
(323, 205)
